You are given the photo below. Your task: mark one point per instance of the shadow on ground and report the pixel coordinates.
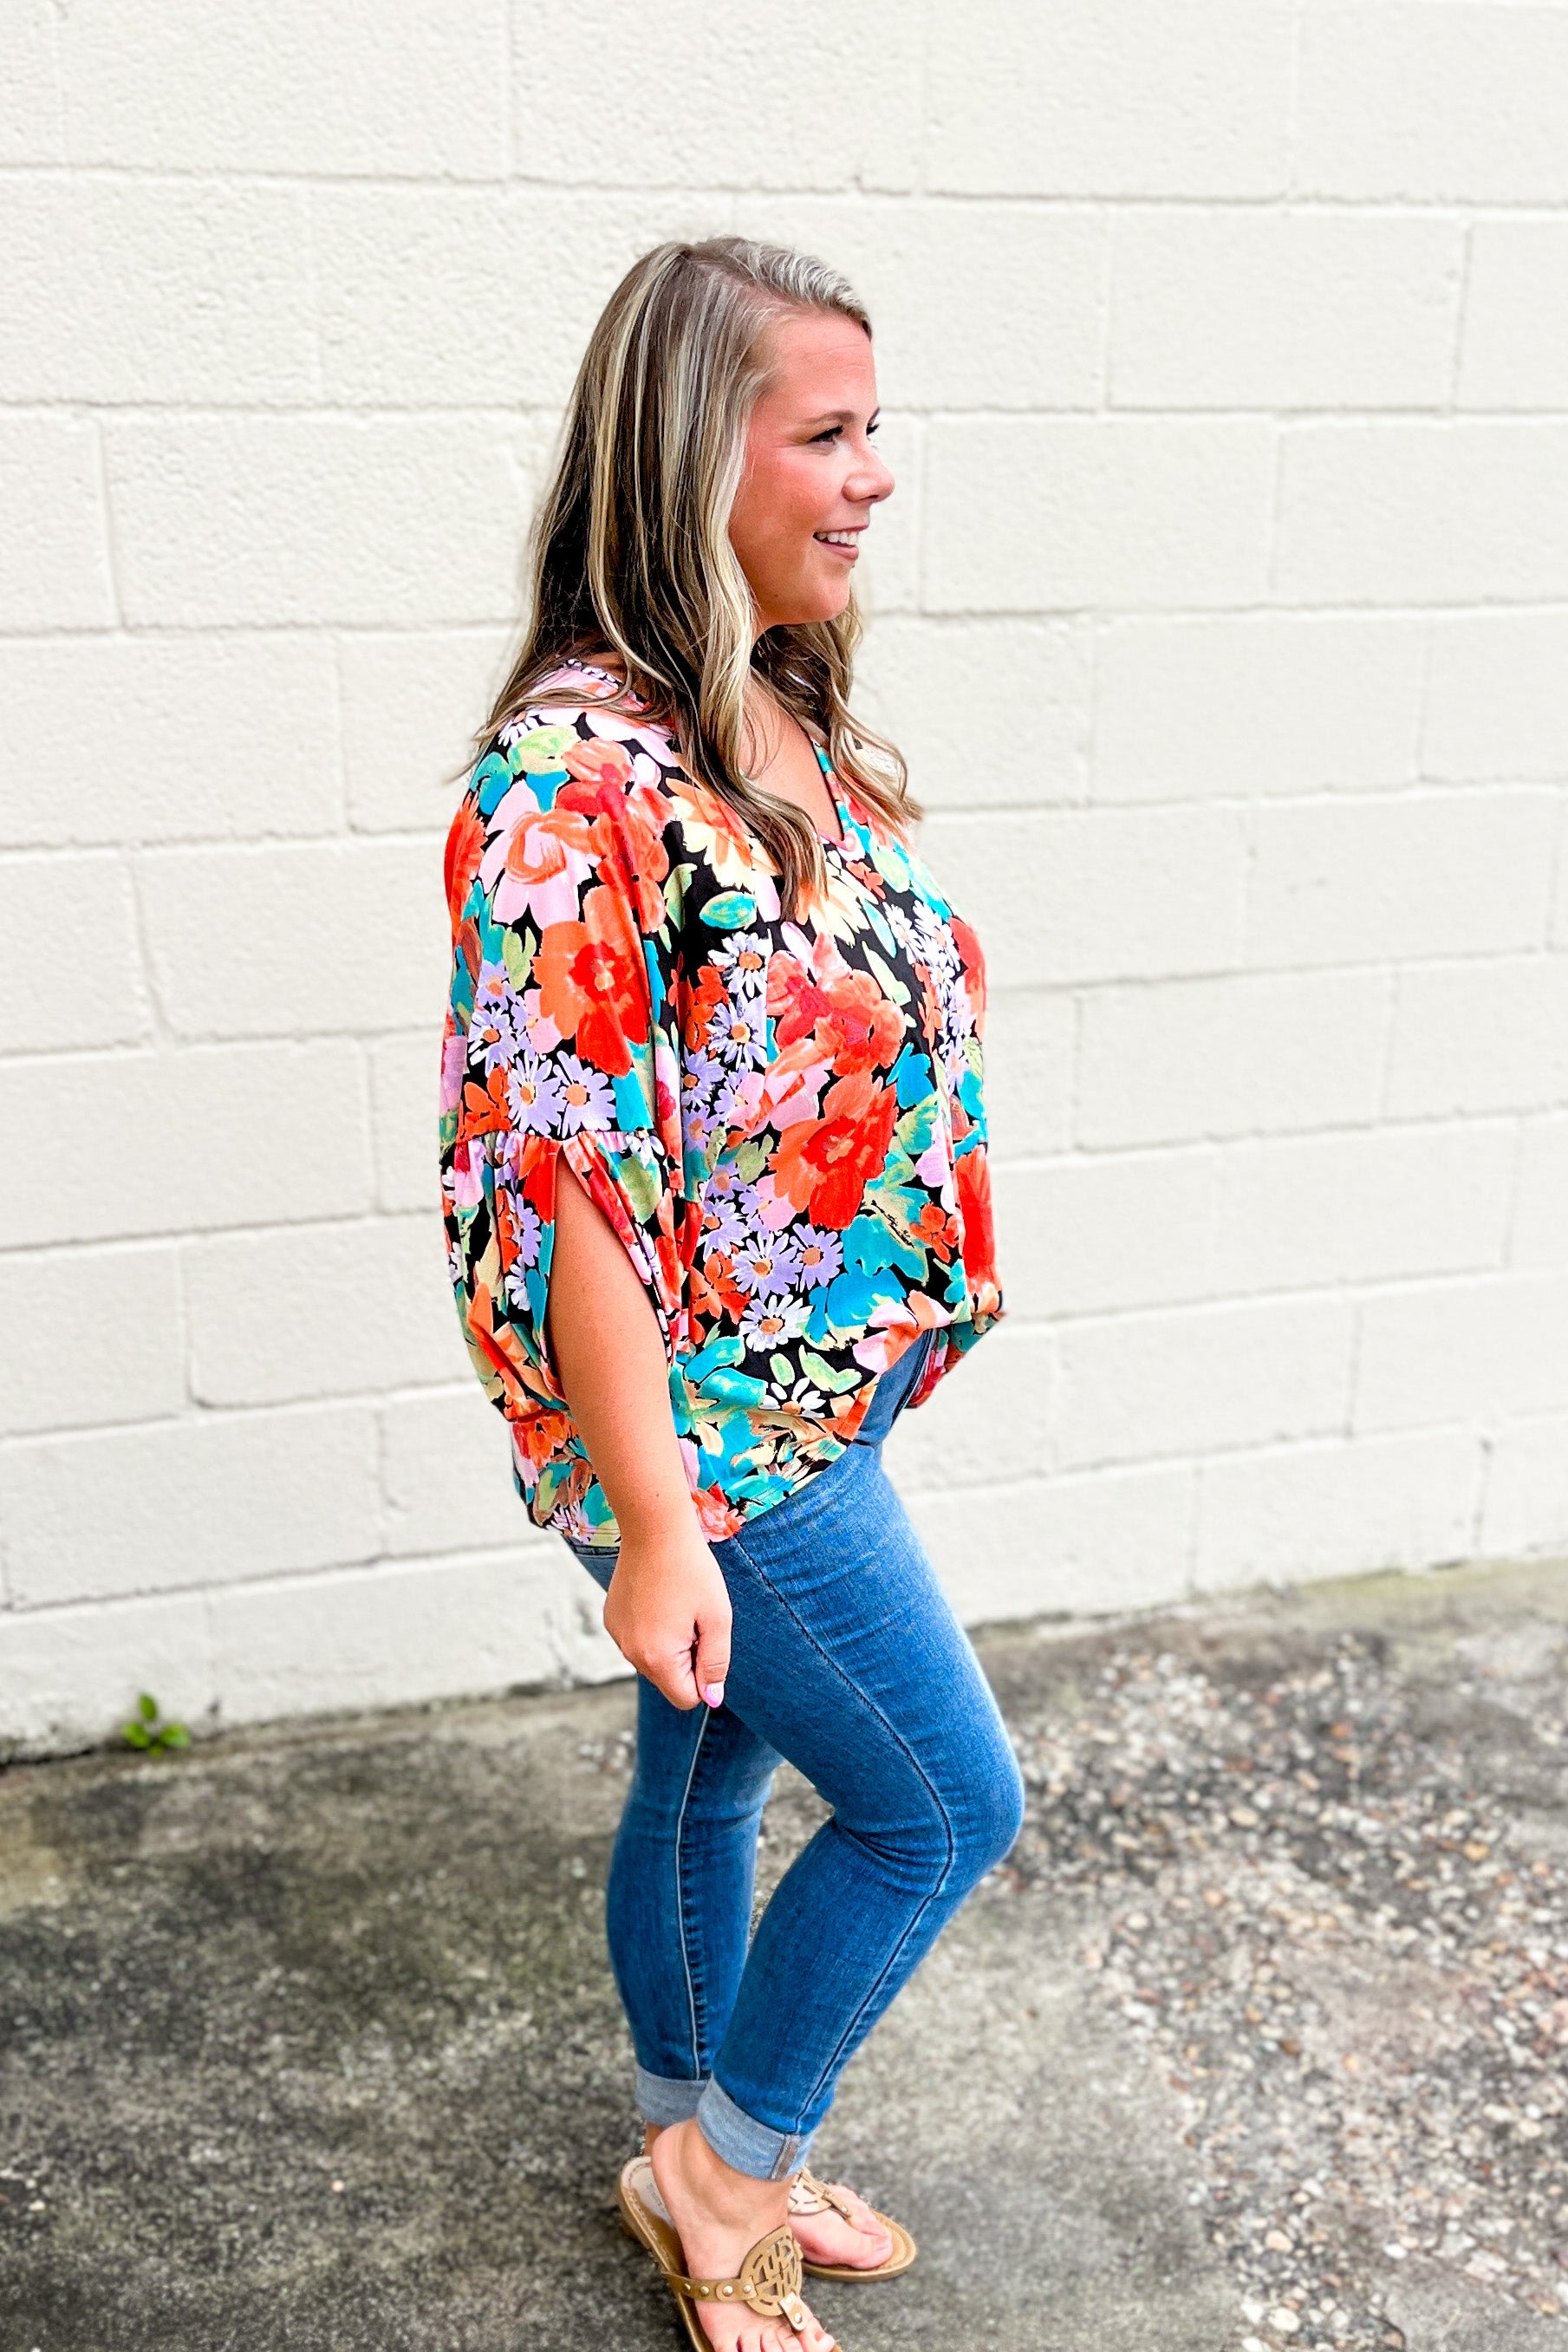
(1258, 2038)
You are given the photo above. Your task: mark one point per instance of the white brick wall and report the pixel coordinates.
(1222, 609)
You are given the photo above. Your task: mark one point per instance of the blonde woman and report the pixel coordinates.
(717, 1203)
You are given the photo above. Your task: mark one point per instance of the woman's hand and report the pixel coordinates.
(668, 1613)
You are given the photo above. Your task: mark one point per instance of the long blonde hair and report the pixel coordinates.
(631, 551)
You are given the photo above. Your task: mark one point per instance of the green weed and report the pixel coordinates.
(146, 1731)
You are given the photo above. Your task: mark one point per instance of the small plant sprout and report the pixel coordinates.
(147, 1732)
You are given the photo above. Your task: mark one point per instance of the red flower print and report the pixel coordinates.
(975, 1207)
(935, 1228)
(859, 1029)
(643, 817)
(593, 982)
(717, 1518)
(484, 1110)
(796, 1001)
(723, 1092)
(495, 1338)
(465, 847)
(715, 1288)
(968, 947)
(535, 1173)
(596, 760)
(704, 1001)
(823, 1164)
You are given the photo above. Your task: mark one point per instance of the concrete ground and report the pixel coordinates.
(1259, 2038)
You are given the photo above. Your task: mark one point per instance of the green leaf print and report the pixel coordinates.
(541, 751)
(731, 912)
(825, 1376)
(640, 1183)
(517, 954)
(892, 985)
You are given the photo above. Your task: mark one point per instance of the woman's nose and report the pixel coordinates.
(872, 482)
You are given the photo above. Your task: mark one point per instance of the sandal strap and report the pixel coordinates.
(770, 2281)
(809, 2195)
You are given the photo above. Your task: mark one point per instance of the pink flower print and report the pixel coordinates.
(453, 1065)
(617, 726)
(536, 862)
(934, 1166)
(467, 1174)
(795, 1095)
(534, 1095)
(588, 1099)
(771, 1209)
(745, 1101)
(666, 1079)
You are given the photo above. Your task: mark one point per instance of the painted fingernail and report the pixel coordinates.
(713, 1694)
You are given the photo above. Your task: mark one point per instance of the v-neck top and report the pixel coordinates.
(840, 810)
(782, 1119)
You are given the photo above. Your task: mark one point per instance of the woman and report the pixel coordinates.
(717, 1205)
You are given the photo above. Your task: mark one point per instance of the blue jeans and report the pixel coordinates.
(848, 1660)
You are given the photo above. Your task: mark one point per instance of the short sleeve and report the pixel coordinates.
(559, 1041)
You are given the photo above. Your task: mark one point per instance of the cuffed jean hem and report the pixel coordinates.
(667, 2098)
(745, 2145)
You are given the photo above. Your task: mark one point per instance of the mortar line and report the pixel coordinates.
(1172, 616)
(479, 184)
(1433, 414)
(1293, 104)
(313, 311)
(1461, 312)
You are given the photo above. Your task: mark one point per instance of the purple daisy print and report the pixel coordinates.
(499, 1019)
(588, 1099)
(535, 1097)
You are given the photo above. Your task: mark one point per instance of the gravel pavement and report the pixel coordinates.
(1258, 2038)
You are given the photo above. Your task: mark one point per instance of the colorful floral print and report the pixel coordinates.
(781, 1120)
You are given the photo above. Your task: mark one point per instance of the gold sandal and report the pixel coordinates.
(769, 2279)
(809, 2195)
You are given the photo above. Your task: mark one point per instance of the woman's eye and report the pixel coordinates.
(831, 434)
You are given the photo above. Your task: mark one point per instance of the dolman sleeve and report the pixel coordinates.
(559, 1040)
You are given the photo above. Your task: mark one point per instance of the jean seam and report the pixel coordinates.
(680, 1897)
(925, 1777)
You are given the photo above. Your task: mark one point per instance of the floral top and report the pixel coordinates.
(781, 1121)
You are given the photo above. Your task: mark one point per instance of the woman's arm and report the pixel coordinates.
(667, 1610)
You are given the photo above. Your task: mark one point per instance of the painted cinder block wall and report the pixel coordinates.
(1222, 609)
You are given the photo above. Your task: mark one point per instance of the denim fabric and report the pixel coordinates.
(849, 1661)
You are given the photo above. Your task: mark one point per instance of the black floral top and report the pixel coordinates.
(782, 1121)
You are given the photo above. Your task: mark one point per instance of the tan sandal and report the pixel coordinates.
(769, 2279)
(809, 2195)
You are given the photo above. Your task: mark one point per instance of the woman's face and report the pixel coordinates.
(811, 475)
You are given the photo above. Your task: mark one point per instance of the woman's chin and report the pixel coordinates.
(823, 601)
